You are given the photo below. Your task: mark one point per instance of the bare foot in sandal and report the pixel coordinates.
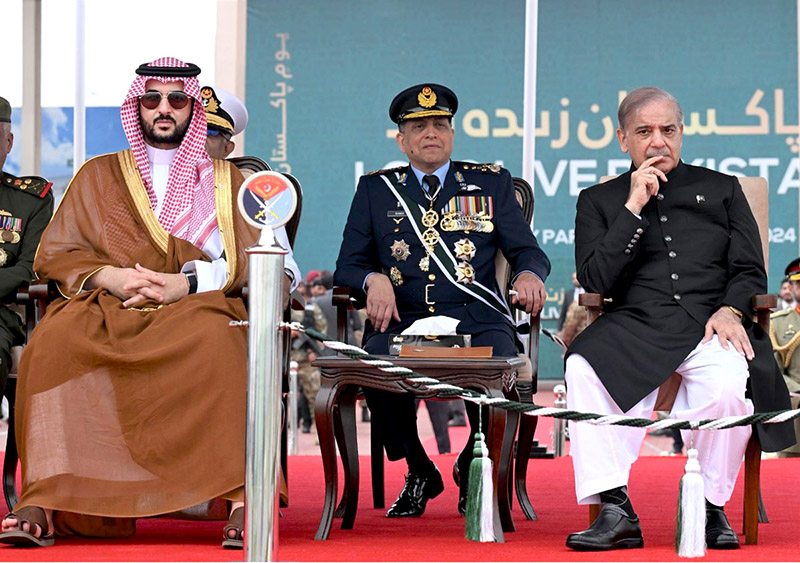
(234, 530)
(30, 526)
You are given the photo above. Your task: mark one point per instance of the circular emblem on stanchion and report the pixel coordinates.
(267, 199)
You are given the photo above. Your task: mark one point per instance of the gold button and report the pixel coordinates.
(432, 309)
(431, 277)
(397, 230)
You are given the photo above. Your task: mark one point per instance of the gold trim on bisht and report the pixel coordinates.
(223, 195)
(141, 200)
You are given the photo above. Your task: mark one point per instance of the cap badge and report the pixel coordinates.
(210, 102)
(426, 98)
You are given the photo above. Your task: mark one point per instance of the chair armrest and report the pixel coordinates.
(763, 305)
(344, 299)
(593, 303)
(296, 301)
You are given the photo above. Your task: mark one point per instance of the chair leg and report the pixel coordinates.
(348, 447)
(338, 434)
(752, 480)
(527, 428)
(323, 415)
(762, 511)
(376, 460)
(285, 449)
(11, 455)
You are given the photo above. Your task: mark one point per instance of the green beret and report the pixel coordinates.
(5, 111)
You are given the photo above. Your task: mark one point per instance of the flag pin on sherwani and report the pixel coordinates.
(464, 249)
(401, 250)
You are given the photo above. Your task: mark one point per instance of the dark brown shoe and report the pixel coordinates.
(612, 529)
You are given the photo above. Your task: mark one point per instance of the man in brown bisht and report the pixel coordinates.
(134, 381)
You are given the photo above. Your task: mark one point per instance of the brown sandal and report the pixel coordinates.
(34, 516)
(235, 522)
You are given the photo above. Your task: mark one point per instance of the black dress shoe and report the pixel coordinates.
(612, 529)
(416, 493)
(719, 534)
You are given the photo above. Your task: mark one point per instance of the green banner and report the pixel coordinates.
(321, 74)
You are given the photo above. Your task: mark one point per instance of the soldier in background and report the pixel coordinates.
(26, 205)
(784, 331)
(304, 351)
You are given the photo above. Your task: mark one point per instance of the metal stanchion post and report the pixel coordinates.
(292, 426)
(559, 424)
(262, 476)
(267, 200)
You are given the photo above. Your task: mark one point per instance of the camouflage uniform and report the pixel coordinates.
(304, 346)
(784, 331)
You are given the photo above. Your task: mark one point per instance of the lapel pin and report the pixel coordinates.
(700, 198)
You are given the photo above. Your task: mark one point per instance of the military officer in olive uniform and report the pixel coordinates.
(784, 331)
(420, 241)
(26, 206)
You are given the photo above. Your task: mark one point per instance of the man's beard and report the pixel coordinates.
(152, 136)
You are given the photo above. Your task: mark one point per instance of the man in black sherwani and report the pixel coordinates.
(420, 241)
(677, 251)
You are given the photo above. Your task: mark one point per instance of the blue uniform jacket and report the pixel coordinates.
(379, 237)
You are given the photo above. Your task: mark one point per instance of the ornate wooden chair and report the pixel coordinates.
(757, 194)
(341, 378)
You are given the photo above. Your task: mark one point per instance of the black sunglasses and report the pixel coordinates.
(176, 99)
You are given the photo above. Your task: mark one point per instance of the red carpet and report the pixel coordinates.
(439, 534)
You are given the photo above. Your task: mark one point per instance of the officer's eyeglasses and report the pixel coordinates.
(215, 132)
(176, 99)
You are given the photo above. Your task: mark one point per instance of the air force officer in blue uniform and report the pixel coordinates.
(420, 241)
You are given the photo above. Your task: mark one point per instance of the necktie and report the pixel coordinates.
(430, 183)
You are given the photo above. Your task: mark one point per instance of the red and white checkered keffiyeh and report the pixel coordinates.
(188, 210)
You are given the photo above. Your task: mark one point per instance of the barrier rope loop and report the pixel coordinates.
(448, 391)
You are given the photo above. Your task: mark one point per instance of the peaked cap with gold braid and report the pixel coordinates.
(423, 100)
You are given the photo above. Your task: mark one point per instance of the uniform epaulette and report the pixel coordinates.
(487, 168)
(34, 185)
(385, 171)
(777, 314)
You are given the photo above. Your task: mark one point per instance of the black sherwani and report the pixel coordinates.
(695, 249)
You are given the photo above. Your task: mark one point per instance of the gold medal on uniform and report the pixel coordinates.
(430, 218)
(396, 276)
(464, 249)
(3, 257)
(425, 263)
(430, 237)
(448, 224)
(400, 250)
(465, 272)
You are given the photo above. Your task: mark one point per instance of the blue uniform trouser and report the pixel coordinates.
(394, 415)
